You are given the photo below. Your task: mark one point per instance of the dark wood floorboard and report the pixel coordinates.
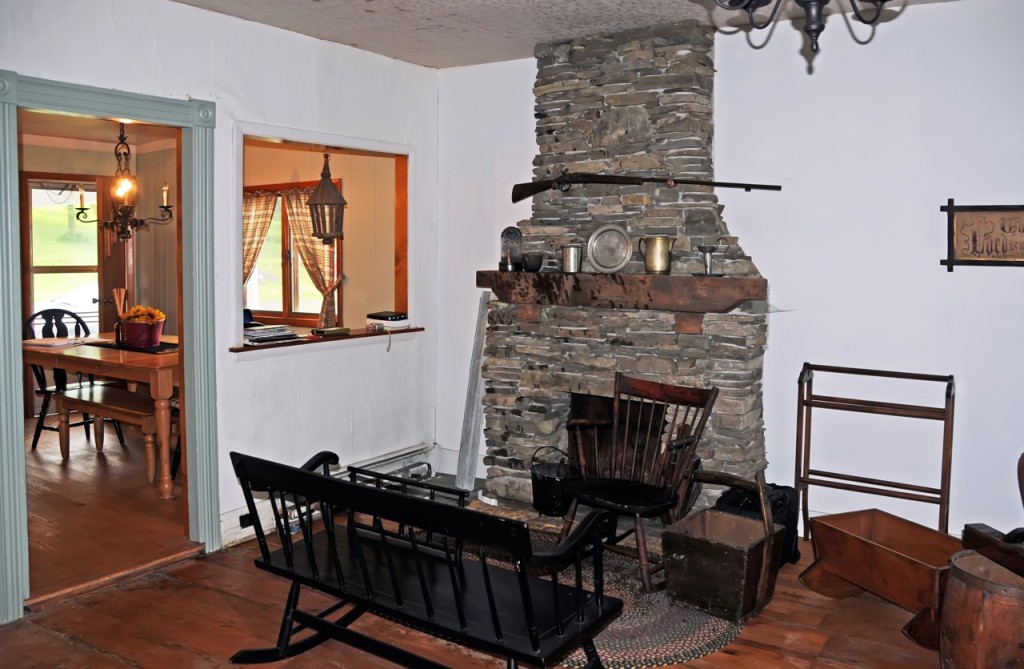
(198, 612)
(95, 521)
(95, 518)
(800, 628)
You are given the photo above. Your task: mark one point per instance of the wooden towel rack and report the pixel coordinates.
(806, 476)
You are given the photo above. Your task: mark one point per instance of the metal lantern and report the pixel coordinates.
(327, 207)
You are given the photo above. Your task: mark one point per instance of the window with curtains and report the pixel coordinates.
(279, 270)
(289, 276)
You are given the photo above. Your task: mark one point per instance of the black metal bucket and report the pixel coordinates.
(549, 479)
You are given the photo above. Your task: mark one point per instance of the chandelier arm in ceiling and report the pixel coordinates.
(814, 15)
(750, 6)
(878, 11)
(123, 195)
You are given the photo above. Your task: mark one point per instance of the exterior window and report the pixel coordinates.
(64, 267)
(279, 290)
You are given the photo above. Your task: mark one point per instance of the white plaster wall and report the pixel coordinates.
(487, 145)
(850, 247)
(353, 397)
(867, 149)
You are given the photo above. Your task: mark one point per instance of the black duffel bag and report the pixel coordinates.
(783, 502)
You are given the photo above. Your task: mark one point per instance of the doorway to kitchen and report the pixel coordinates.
(94, 518)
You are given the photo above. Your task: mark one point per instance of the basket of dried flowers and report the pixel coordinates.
(140, 327)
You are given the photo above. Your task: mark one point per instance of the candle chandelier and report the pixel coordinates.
(813, 10)
(123, 195)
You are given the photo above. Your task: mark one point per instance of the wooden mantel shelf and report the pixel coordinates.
(657, 292)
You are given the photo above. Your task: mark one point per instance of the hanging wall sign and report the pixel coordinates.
(984, 235)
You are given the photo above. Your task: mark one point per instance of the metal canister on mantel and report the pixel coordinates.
(572, 258)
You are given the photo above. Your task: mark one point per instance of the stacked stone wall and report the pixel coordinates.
(639, 103)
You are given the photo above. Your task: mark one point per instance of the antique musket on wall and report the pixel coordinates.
(568, 179)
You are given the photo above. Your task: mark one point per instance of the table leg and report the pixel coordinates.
(163, 440)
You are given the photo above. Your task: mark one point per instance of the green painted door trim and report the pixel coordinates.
(196, 118)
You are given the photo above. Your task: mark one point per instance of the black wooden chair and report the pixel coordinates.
(636, 464)
(47, 324)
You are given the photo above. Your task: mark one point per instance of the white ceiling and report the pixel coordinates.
(453, 33)
(435, 33)
(97, 134)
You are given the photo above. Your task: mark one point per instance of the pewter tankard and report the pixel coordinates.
(572, 257)
(657, 253)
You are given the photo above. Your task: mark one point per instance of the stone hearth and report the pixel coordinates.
(638, 102)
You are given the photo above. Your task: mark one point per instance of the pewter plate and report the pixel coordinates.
(609, 248)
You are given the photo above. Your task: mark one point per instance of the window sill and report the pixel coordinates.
(306, 339)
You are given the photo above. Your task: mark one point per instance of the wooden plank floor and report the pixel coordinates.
(95, 519)
(197, 613)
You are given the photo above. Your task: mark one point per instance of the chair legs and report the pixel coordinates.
(570, 516)
(648, 567)
(119, 432)
(641, 549)
(41, 421)
(176, 459)
(96, 422)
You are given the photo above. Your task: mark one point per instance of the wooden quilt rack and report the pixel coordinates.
(806, 476)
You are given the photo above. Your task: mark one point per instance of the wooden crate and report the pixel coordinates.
(713, 563)
(891, 557)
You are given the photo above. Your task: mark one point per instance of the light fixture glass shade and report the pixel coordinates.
(124, 192)
(327, 207)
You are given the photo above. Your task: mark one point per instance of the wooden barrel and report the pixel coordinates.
(982, 615)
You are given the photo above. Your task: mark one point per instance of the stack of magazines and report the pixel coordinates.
(268, 334)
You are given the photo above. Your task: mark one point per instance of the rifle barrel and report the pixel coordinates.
(531, 188)
(727, 184)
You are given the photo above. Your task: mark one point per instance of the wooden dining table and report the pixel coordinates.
(162, 371)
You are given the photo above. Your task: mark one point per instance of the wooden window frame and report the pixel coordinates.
(400, 249)
(288, 259)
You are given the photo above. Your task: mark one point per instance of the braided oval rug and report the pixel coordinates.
(653, 630)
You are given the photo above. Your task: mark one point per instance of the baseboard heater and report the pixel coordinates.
(413, 462)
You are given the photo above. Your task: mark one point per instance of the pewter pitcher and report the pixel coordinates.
(657, 253)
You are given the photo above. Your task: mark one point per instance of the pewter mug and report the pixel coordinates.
(572, 257)
(657, 253)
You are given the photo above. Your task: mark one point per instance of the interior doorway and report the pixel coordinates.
(71, 261)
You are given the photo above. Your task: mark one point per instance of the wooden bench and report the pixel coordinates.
(109, 402)
(422, 563)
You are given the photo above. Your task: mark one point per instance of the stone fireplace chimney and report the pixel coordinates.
(637, 102)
